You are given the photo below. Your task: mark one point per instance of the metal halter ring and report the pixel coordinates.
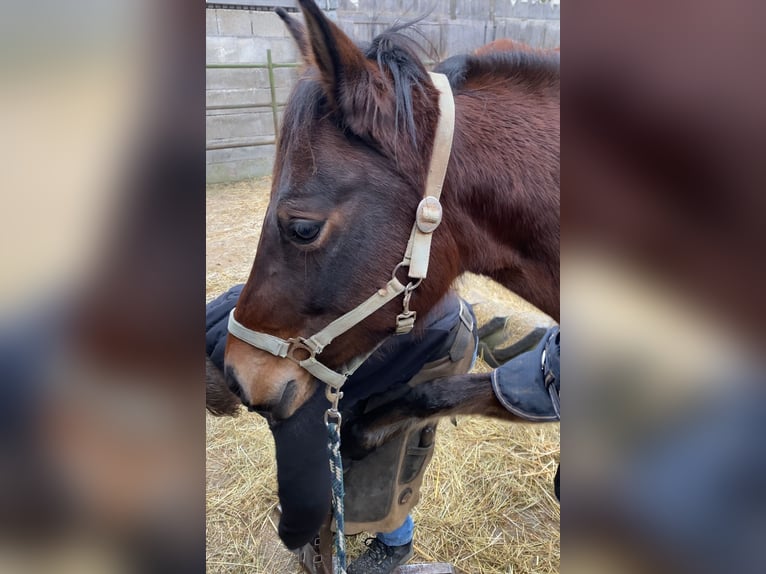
(410, 286)
(301, 344)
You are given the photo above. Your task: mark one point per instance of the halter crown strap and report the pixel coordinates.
(429, 212)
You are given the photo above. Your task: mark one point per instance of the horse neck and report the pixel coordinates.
(501, 194)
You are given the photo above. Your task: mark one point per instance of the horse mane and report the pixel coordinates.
(524, 68)
(397, 54)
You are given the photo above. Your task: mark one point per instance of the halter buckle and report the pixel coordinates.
(429, 214)
(410, 286)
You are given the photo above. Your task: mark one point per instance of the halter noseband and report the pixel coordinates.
(303, 351)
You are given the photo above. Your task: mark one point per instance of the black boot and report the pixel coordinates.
(380, 558)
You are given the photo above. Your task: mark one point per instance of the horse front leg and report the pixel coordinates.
(448, 396)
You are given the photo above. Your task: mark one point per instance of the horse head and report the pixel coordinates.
(352, 161)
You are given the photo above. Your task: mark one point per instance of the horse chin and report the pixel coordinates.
(286, 406)
(293, 397)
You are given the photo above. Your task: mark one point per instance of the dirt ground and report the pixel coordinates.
(487, 503)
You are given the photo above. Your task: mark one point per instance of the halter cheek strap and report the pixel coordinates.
(303, 351)
(429, 213)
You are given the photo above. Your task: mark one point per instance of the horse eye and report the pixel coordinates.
(304, 230)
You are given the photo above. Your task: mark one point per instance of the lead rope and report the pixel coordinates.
(333, 421)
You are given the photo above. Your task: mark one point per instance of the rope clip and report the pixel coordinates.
(332, 414)
(405, 321)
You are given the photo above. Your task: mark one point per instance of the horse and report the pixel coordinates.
(352, 161)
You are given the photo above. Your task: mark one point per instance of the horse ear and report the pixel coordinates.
(297, 31)
(340, 62)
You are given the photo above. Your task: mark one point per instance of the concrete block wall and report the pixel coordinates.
(242, 36)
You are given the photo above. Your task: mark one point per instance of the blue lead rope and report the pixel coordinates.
(336, 468)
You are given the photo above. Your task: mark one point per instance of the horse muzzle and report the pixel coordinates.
(272, 387)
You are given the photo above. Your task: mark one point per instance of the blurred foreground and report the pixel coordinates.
(662, 291)
(101, 398)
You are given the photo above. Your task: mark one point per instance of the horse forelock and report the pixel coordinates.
(397, 55)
